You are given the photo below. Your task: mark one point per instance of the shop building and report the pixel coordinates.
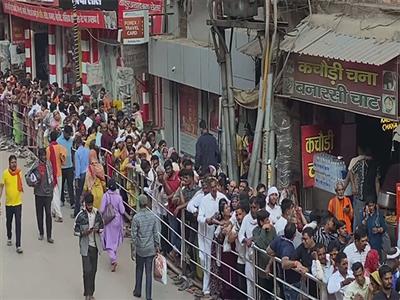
(49, 43)
(184, 66)
(339, 92)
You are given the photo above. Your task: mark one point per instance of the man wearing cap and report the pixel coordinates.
(145, 245)
(272, 207)
(67, 169)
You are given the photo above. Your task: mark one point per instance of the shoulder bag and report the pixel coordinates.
(109, 212)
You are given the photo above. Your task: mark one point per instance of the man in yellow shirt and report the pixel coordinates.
(11, 179)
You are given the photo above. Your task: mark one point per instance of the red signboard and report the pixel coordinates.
(188, 109)
(18, 27)
(314, 139)
(55, 16)
(153, 6)
(41, 2)
(135, 29)
(361, 88)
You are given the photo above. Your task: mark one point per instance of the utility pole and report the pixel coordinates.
(76, 56)
(219, 22)
(228, 103)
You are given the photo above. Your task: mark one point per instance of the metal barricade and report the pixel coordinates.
(277, 280)
(6, 126)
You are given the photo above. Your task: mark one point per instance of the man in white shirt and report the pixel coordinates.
(194, 203)
(246, 239)
(358, 250)
(339, 281)
(321, 268)
(89, 119)
(287, 207)
(36, 108)
(237, 220)
(272, 207)
(208, 210)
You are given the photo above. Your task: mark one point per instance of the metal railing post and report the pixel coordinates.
(274, 273)
(254, 261)
(142, 183)
(183, 239)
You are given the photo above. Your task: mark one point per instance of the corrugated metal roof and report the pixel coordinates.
(325, 42)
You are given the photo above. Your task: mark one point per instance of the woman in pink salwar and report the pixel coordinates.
(113, 233)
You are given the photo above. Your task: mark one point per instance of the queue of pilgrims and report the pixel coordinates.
(231, 229)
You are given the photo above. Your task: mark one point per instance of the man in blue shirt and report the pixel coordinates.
(283, 248)
(81, 165)
(65, 140)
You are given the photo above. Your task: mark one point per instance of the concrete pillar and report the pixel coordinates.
(52, 54)
(28, 51)
(59, 56)
(85, 49)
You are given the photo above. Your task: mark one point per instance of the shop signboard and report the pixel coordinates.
(360, 88)
(154, 7)
(389, 125)
(55, 16)
(188, 116)
(135, 29)
(315, 139)
(18, 26)
(90, 4)
(42, 2)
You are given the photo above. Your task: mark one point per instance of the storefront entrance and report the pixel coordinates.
(42, 56)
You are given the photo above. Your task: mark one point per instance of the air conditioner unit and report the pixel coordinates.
(243, 9)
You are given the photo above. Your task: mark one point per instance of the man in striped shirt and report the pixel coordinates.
(327, 232)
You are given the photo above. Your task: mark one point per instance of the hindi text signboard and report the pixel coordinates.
(314, 139)
(111, 5)
(366, 89)
(55, 16)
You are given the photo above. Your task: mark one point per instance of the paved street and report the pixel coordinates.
(47, 271)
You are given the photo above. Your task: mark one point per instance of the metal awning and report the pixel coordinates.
(314, 39)
(253, 48)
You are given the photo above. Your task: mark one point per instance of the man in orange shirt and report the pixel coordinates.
(340, 206)
(56, 154)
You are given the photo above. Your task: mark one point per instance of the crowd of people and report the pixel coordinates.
(191, 212)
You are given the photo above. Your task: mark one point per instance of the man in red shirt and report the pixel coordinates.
(171, 183)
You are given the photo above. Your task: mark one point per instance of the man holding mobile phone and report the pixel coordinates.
(340, 206)
(88, 225)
